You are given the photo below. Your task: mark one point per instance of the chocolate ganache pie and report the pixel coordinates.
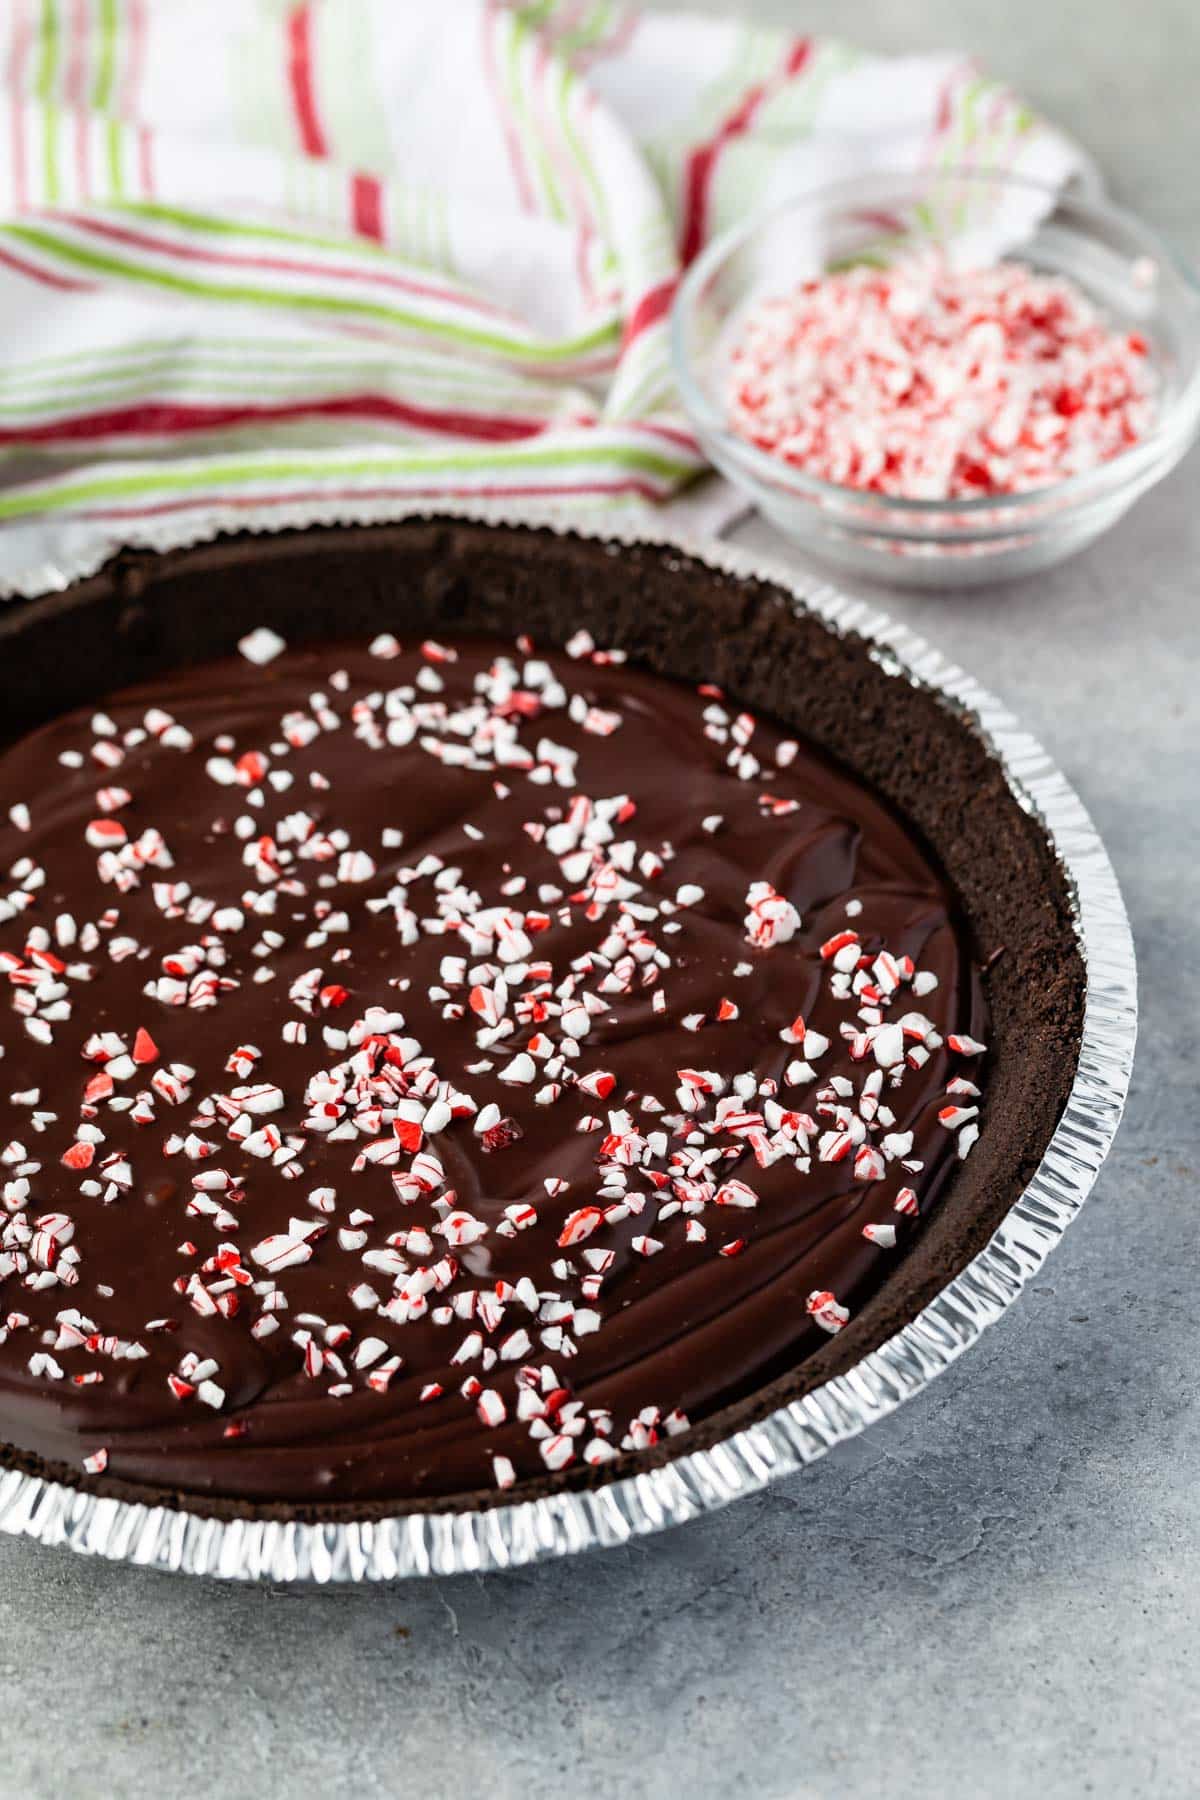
(488, 1010)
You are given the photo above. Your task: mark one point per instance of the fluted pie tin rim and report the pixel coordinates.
(509, 1535)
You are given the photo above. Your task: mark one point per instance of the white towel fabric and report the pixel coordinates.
(266, 263)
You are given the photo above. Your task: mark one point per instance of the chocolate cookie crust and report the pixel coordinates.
(679, 619)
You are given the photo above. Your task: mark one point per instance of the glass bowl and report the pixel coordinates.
(1127, 270)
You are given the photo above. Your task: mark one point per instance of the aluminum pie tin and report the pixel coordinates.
(507, 1536)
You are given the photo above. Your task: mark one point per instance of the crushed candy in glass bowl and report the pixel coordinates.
(943, 379)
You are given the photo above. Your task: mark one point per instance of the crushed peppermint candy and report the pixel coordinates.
(929, 381)
(262, 645)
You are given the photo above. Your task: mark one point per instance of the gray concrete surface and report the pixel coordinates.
(994, 1593)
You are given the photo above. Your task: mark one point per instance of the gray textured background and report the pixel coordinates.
(993, 1593)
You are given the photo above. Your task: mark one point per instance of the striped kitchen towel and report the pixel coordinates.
(262, 260)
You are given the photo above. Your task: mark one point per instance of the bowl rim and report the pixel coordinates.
(518, 1532)
(1132, 468)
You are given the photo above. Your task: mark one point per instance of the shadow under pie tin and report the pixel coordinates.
(810, 659)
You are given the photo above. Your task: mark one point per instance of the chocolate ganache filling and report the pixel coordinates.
(431, 1068)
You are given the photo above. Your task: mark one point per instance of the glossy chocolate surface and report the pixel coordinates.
(583, 1353)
